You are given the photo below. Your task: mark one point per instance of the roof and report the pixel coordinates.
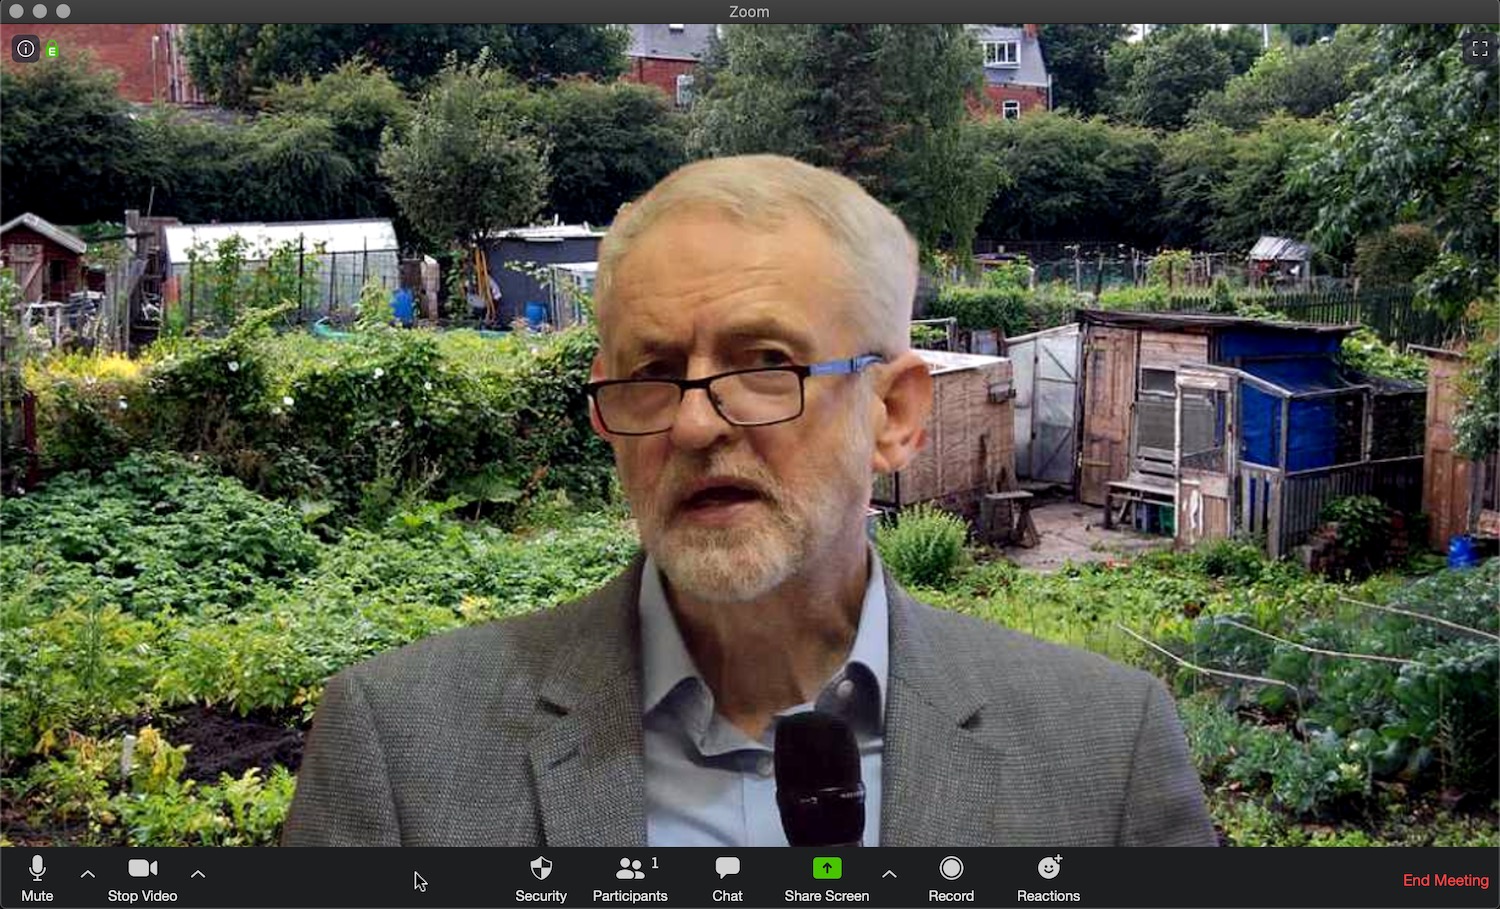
(1199, 323)
(549, 232)
(1299, 375)
(1440, 353)
(1280, 249)
(669, 42)
(49, 230)
(941, 361)
(361, 235)
(1031, 68)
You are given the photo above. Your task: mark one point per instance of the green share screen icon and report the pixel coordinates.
(828, 868)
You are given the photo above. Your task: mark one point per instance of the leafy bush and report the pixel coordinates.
(356, 429)
(1364, 526)
(983, 308)
(1300, 777)
(160, 584)
(1478, 422)
(1396, 255)
(1239, 560)
(1363, 350)
(84, 788)
(157, 533)
(1426, 722)
(924, 547)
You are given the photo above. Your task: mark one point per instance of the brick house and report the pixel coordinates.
(44, 259)
(666, 55)
(148, 58)
(1015, 72)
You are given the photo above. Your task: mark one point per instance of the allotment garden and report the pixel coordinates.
(223, 523)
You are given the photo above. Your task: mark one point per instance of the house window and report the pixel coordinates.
(684, 90)
(1011, 110)
(1001, 53)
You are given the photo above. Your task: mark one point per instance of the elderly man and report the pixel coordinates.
(754, 372)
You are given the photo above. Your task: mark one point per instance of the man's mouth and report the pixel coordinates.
(720, 495)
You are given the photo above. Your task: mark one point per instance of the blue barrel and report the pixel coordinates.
(403, 306)
(1461, 552)
(536, 314)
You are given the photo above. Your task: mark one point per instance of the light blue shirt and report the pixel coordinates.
(710, 784)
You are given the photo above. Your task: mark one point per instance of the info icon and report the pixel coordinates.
(25, 48)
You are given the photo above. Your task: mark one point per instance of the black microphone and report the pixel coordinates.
(818, 786)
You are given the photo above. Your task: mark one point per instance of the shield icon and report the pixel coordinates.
(540, 867)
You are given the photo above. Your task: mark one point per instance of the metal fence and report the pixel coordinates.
(1392, 312)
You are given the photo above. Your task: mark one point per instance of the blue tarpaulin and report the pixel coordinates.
(1312, 438)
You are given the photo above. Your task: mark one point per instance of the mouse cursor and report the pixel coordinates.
(418, 883)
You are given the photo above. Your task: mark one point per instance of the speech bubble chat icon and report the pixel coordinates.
(726, 865)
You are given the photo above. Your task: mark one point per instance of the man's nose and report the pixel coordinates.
(698, 424)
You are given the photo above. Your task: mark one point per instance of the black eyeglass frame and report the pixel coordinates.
(848, 366)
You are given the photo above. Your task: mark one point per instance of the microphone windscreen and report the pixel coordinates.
(815, 751)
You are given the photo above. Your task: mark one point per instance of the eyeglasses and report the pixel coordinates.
(743, 397)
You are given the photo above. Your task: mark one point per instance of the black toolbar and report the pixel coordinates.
(434, 877)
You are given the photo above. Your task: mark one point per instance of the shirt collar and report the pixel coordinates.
(666, 663)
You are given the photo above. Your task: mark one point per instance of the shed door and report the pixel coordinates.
(1109, 393)
(1022, 356)
(1206, 448)
(26, 265)
(1053, 437)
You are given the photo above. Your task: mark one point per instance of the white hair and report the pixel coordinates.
(761, 192)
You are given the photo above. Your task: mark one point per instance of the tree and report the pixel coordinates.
(191, 167)
(541, 54)
(609, 144)
(1240, 44)
(1418, 146)
(1395, 256)
(292, 168)
(469, 164)
(1075, 57)
(1074, 179)
(1195, 166)
(67, 144)
(1302, 35)
(1260, 196)
(884, 104)
(360, 103)
(235, 61)
(1302, 81)
(1156, 82)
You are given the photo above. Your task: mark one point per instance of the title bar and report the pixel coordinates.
(767, 11)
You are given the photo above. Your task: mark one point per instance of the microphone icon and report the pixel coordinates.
(37, 868)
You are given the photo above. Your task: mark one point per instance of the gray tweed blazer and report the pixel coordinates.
(528, 732)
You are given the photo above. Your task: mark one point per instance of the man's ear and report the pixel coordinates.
(907, 400)
(596, 372)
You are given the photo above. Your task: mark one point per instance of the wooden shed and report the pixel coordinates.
(1203, 426)
(1458, 495)
(46, 260)
(970, 448)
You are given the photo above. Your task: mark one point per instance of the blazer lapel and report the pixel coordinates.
(933, 761)
(588, 761)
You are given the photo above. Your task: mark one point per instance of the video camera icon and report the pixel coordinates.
(142, 868)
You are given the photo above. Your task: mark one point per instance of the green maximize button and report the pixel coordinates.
(828, 868)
